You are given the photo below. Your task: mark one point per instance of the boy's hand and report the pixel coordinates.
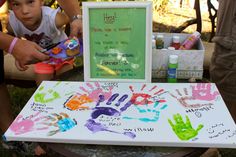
(27, 52)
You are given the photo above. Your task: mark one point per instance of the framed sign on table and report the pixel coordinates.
(117, 41)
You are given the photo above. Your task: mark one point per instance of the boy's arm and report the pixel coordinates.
(72, 9)
(61, 19)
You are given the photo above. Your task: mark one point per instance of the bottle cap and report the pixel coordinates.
(175, 39)
(171, 48)
(173, 59)
(153, 37)
(160, 36)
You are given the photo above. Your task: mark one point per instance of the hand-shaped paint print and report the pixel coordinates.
(147, 113)
(113, 107)
(77, 102)
(202, 91)
(184, 130)
(46, 96)
(143, 97)
(61, 121)
(94, 92)
(23, 125)
(187, 100)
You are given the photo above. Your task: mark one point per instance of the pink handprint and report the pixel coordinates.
(202, 91)
(189, 101)
(94, 92)
(23, 125)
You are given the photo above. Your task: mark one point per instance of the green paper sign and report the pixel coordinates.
(117, 42)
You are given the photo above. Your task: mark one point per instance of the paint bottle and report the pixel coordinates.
(190, 41)
(153, 42)
(175, 43)
(172, 69)
(160, 41)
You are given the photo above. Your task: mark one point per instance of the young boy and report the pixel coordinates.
(31, 20)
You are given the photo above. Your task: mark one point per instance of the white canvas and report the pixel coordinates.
(147, 114)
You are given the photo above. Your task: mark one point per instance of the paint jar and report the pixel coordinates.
(175, 43)
(153, 42)
(172, 69)
(160, 41)
(190, 41)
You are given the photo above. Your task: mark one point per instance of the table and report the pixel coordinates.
(76, 150)
(79, 150)
(77, 74)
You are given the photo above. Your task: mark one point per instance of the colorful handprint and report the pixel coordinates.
(202, 91)
(110, 108)
(189, 101)
(147, 113)
(97, 127)
(77, 102)
(46, 96)
(184, 130)
(23, 125)
(94, 92)
(142, 97)
(61, 121)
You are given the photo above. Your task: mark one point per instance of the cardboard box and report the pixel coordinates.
(190, 62)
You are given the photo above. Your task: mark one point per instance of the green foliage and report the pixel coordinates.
(19, 97)
(160, 5)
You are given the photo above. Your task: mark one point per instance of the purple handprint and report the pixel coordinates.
(111, 109)
(202, 91)
(97, 127)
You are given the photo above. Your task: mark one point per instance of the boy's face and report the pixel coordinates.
(28, 12)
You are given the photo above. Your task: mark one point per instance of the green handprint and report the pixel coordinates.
(184, 131)
(42, 97)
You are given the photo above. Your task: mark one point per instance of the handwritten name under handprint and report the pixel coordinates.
(91, 94)
(184, 130)
(113, 107)
(196, 98)
(144, 96)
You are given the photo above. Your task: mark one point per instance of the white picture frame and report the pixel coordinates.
(145, 75)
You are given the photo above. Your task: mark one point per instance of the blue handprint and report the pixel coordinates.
(147, 110)
(61, 121)
(108, 110)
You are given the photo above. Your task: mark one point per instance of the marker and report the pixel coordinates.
(49, 47)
